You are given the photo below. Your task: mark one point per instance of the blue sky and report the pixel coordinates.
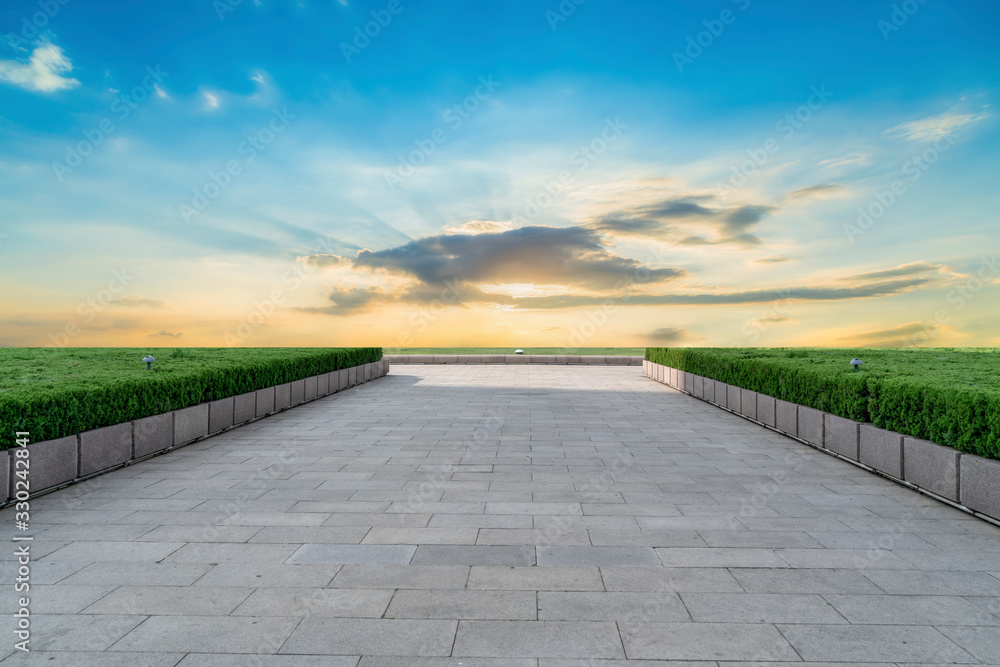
(262, 178)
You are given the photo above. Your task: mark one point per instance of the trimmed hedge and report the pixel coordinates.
(952, 400)
(55, 409)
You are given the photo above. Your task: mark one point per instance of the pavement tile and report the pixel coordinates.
(475, 555)
(353, 554)
(540, 639)
(190, 557)
(200, 634)
(385, 637)
(910, 610)
(324, 602)
(401, 576)
(874, 643)
(170, 601)
(464, 604)
(597, 556)
(611, 606)
(535, 578)
(708, 641)
(759, 608)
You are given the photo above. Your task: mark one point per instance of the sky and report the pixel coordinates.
(581, 173)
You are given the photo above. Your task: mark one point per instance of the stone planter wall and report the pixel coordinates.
(55, 463)
(964, 479)
(590, 360)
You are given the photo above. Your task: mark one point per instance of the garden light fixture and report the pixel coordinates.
(856, 363)
(149, 362)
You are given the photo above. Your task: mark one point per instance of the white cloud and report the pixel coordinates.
(211, 101)
(934, 127)
(43, 72)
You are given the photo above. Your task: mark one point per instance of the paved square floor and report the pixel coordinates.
(549, 516)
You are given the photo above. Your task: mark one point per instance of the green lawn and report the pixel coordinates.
(948, 395)
(53, 392)
(590, 351)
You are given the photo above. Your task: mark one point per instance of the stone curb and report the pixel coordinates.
(63, 461)
(966, 480)
(451, 359)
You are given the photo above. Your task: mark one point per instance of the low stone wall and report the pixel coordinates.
(63, 461)
(590, 360)
(970, 481)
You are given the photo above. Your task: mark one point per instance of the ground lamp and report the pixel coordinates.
(856, 363)
(149, 362)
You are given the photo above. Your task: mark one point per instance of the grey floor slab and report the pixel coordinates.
(538, 516)
(546, 639)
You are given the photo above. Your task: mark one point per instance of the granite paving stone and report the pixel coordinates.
(505, 515)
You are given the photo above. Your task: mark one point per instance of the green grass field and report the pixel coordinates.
(25, 371)
(957, 368)
(53, 392)
(590, 351)
(948, 395)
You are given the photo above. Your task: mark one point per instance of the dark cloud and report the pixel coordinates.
(668, 334)
(352, 301)
(571, 256)
(672, 219)
(753, 296)
(913, 269)
(772, 260)
(165, 334)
